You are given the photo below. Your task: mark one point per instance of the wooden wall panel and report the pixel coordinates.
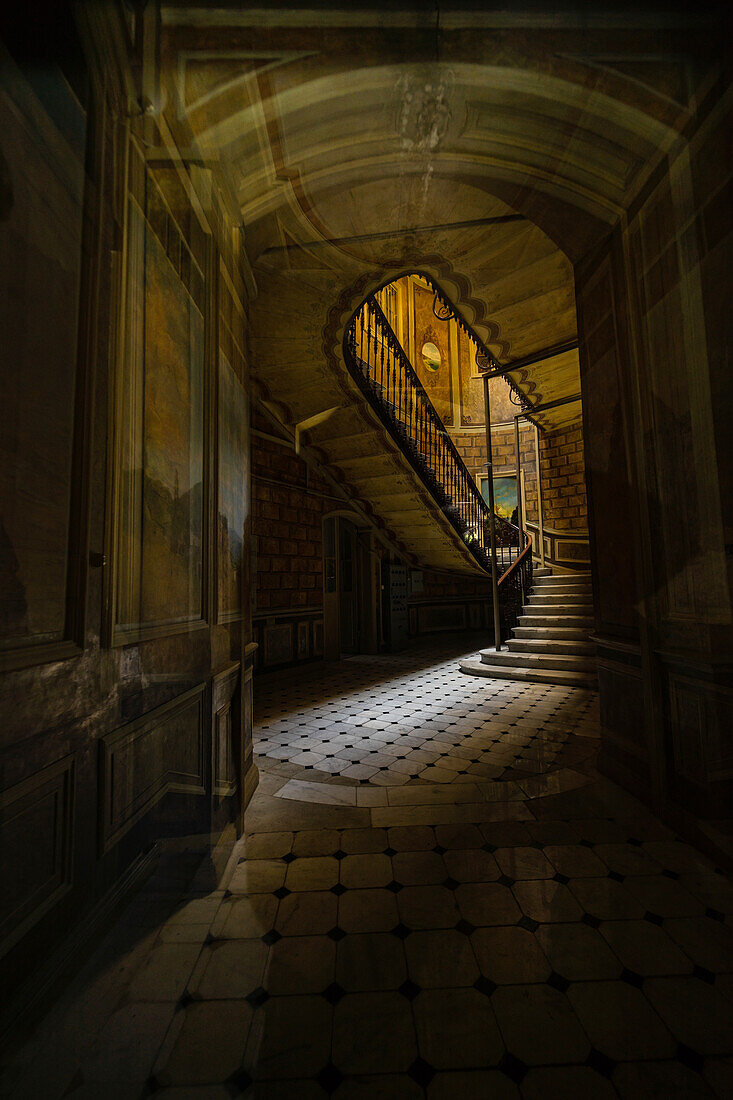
(223, 687)
(141, 762)
(35, 856)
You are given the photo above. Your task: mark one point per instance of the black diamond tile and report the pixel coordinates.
(271, 937)
(558, 982)
(258, 997)
(670, 874)
(600, 1063)
(415, 776)
(339, 854)
(333, 993)
(505, 880)
(390, 852)
(653, 918)
(153, 1083)
(450, 883)
(336, 933)
(401, 931)
(409, 989)
(289, 858)
(281, 892)
(587, 843)
(489, 847)
(440, 849)
(330, 1078)
(228, 893)
(512, 1067)
(185, 1000)
(485, 986)
(689, 1058)
(338, 889)
(714, 914)
(635, 841)
(421, 1072)
(590, 920)
(616, 876)
(536, 844)
(394, 886)
(209, 939)
(528, 924)
(703, 974)
(631, 978)
(466, 927)
(239, 1082)
(561, 878)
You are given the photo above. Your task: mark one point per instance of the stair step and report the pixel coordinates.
(561, 589)
(561, 598)
(551, 645)
(560, 582)
(555, 633)
(559, 661)
(476, 667)
(584, 621)
(553, 611)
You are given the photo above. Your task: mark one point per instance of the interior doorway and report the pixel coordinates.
(348, 584)
(351, 588)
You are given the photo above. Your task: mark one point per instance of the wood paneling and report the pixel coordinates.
(141, 762)
(35, 854)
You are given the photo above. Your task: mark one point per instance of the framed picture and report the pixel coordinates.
(505, 495)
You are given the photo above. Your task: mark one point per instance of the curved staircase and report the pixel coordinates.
(551, 644)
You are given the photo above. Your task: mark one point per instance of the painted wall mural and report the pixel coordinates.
(41, 211)
(234, 504)
(173, 451)
(159, 560)
(433, 361)
(471, 390)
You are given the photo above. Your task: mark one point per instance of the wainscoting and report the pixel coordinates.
(288, 637)
(440, 616)
(566, 549)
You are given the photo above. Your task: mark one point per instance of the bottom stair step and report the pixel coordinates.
(476, 667)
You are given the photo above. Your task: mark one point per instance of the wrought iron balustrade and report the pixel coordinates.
(380, 367)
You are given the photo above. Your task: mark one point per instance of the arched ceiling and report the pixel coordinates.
(334, 122)
(488, 149)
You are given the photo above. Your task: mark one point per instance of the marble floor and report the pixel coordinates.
(437, 896)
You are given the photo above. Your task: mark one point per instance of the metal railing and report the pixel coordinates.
(379, 365)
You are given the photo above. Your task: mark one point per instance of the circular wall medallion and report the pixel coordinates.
(431, 356)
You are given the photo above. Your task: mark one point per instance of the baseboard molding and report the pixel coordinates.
(33, 998)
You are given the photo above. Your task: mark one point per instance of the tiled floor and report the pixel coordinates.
(479, 916)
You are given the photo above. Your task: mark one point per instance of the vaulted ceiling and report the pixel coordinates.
(489, 149)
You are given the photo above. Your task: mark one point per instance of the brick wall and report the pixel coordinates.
(472, 448)
(564, 502)
(563, 471)
(288, 502)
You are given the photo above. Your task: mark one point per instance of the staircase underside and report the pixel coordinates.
(361, 455)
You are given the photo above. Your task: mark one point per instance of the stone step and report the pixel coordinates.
(555, 633)
(565, 662)
(552, 610)
(556, 579)
(585, 621)
(543, 584)
(560, 598)
(475, 667)
(552, 645)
